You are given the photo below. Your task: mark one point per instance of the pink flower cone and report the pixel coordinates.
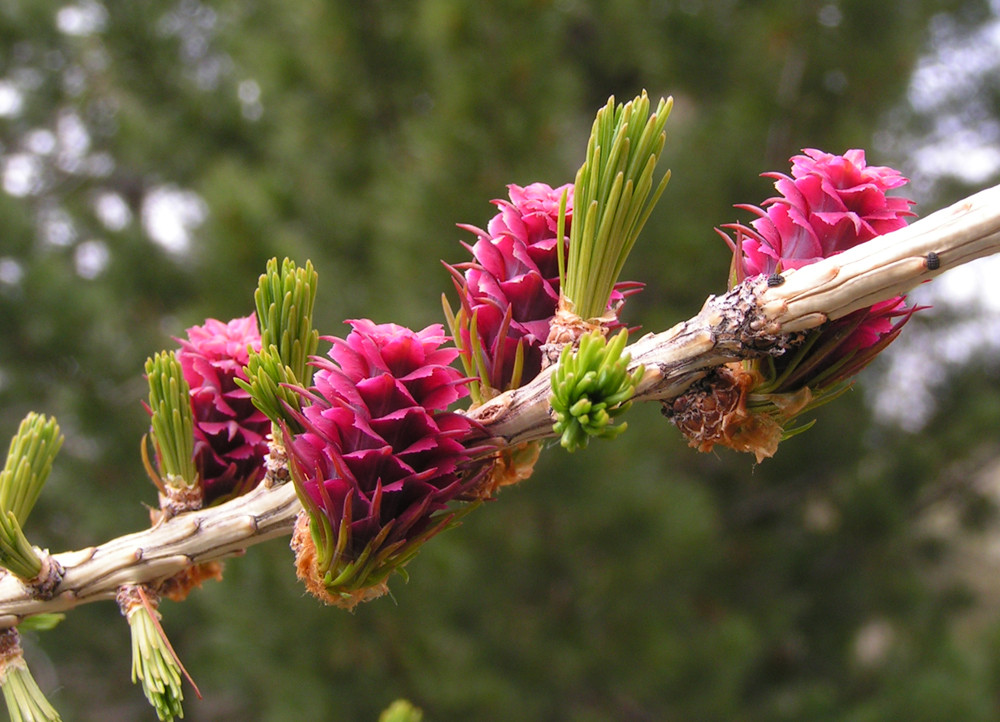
(829, 204)
(380, 458)
(511, 287)
(230, 433)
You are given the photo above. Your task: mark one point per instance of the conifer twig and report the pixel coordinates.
(752, 319)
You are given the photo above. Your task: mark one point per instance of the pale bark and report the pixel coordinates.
(752, 319)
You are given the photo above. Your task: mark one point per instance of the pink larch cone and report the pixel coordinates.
(380, 459)
(230, 433)
(828, 204)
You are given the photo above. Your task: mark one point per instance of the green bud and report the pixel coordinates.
(590, 388)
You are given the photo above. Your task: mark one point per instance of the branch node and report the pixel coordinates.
(741, 325)
(49, 578)
(177, 500)
(129, 598)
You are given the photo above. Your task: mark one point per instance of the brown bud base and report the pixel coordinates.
(129, 598)
(276, 463)
(714, 411)
(11, 654)
(568, 328)
(511, 465)
(176, 500)
(307, 570)
(178, 587)
(49, 577)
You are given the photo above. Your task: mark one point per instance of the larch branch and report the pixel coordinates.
(750, 320)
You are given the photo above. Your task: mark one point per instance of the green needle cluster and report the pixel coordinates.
(267, 383)
(172, 419)
(590, 388)
(153, 665)
(612, 198)
(29, 461)
(25, 701)
(284, 298)
(25, 471)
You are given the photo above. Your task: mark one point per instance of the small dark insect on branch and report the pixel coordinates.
(775, 279)
(933, 262)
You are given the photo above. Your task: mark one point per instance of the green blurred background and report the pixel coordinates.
(153, 156)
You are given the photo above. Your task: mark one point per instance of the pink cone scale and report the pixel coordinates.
(230, 432)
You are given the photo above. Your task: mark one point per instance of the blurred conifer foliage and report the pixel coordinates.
(153, 155)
